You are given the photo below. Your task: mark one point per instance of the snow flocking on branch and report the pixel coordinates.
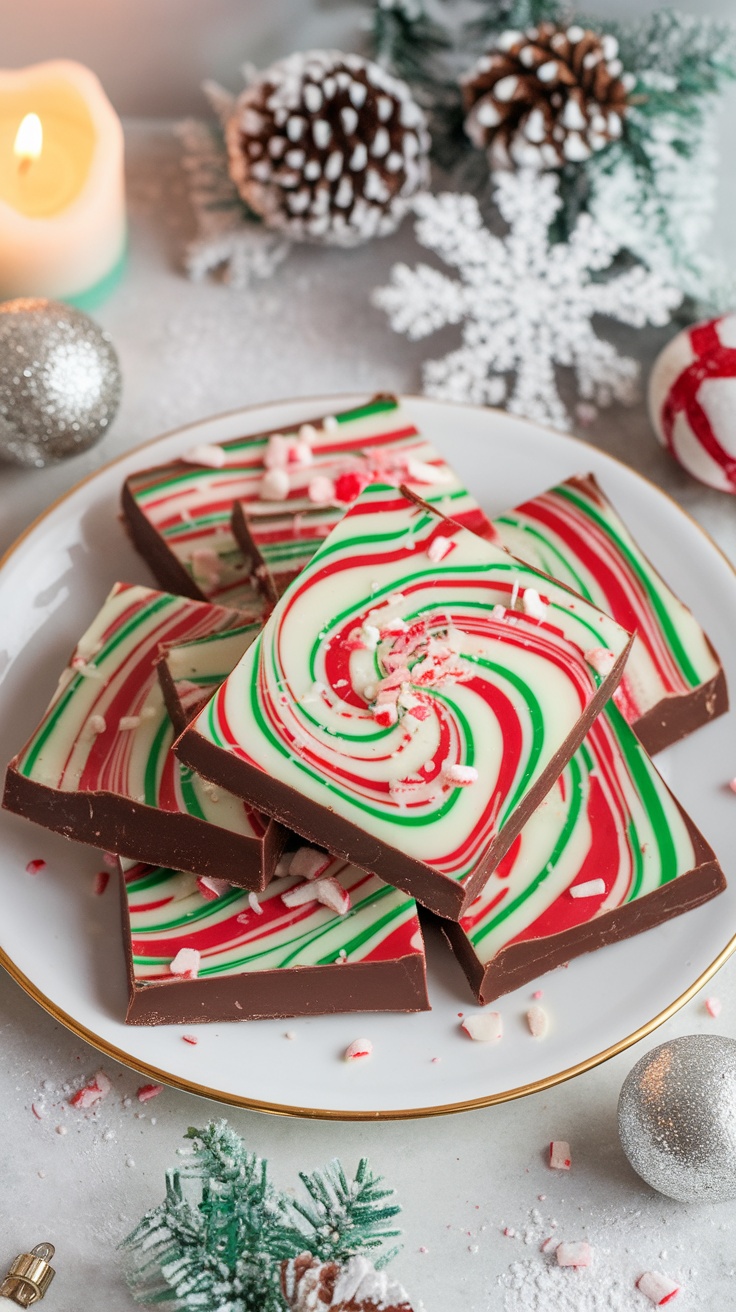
(525, 304)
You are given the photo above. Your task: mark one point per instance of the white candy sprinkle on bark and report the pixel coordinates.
(274, 485)
(186, 963)
(601, 659)
(212, 457)
(713, 1007)
(485, 1027)
(438, 548)
(308, 863)
(533, 604)
(97, 723)
(358, 1050)
(591, 888)
(127, 722)
(255, 904)
(459, 775)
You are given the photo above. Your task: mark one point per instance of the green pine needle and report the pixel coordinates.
(217, 1241)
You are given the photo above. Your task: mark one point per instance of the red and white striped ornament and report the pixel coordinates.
(692, 401)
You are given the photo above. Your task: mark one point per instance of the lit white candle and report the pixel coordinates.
(62, 197)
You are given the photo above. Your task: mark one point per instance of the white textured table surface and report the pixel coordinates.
(187, 352)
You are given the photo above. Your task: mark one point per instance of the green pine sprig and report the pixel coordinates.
(341, 1217)
(217, 1241)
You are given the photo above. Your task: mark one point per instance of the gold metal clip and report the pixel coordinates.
(29, 1276)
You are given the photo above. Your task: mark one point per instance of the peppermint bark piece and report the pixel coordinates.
(190, 672)
(100, 767)
(290, 488)
(259, 959)
(607, 854)
(411, 699)
(673, 682)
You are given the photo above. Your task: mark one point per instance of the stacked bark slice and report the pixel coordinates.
(360, 695)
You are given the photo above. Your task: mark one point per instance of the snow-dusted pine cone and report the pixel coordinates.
(546, 96)
(312, 1286)
(328, 147)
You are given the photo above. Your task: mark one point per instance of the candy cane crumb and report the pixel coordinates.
(658, 1288)
(578, 1253)
(559, 1155)
(358, 1049)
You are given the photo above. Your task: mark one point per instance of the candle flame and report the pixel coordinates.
(29, 138)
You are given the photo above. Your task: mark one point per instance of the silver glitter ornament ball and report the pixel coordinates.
(59, 382)
(677, 1118)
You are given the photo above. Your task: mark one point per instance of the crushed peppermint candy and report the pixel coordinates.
(36, 866)
(148, 1091)
(559, 1155)
(92, 1093)
(274, 485)
(538, 1022)
(127, 722)
(732, 785)
(533, 604)
(601, 659)
(255, 904)
(658, 1288)
(185, 964)
(308, 863)
(276, 455)
(487, 1027)
(97, 723)
(100, 882)
(321, 490)
(418, 471)
(308, 432)
(110, 859)
(459, 775)
(211, 888)
(438, 548)
(191, 1039)
(591, 888)
(578, 1253)
(206, 565)
(358, 1049)
(713, 1007)
(326, 890)
(212, 457)
(300, 453)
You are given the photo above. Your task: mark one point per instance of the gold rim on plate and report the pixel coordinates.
(316, 1113)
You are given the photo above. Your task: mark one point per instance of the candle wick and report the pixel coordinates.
(24, 164)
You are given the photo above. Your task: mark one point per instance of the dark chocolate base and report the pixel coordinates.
(675, 717)
(176, 713)
(261, 572)
(399, 985)
(322, 826)
(144, 833)
(168, 572)
(520, 963)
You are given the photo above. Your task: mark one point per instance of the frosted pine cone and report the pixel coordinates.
(312, 1286)
(328, 148)
(546, 96)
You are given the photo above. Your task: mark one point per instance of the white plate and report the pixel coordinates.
(63, 944)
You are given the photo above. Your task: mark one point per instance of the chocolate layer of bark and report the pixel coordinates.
(521, 962)
(675, 717)
(99, 767)
(146, 833)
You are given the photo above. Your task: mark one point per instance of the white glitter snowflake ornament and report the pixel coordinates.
(525, 304)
